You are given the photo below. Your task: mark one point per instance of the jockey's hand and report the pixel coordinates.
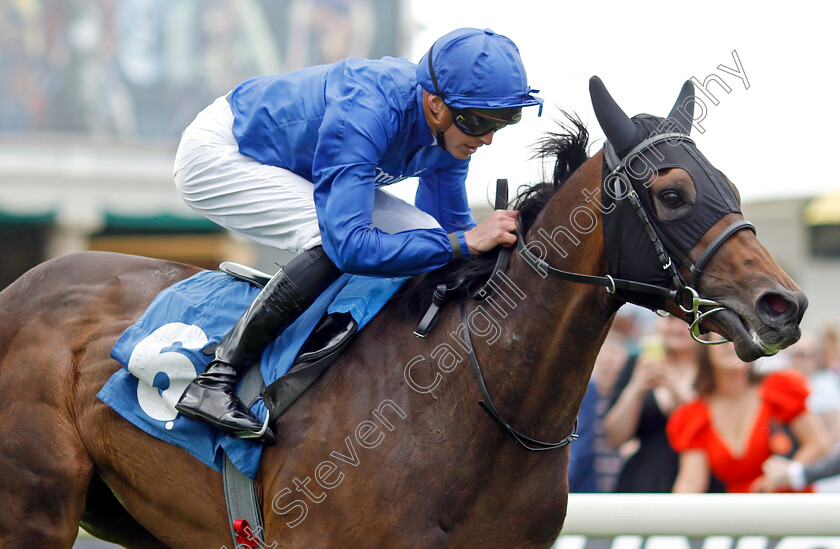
(493, 231)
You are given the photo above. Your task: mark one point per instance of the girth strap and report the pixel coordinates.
(241, 495)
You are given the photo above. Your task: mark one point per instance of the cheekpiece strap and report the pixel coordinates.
(618, 167)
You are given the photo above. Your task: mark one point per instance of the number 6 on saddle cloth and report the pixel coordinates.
(165, 349)
(169, 345)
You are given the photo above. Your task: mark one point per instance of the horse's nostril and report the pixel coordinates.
(776, 303)
(778, 308)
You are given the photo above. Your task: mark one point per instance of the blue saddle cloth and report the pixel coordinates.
(162, 352)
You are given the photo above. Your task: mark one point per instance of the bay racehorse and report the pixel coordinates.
(389, 448)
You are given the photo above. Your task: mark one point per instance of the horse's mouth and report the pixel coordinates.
(749, 342)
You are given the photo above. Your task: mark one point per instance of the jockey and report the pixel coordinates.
(296, 161)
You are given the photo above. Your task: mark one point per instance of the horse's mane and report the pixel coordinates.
(569, 148)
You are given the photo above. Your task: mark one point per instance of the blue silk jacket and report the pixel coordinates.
(351, 127)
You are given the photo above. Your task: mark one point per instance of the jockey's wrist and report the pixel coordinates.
(796, 476)
(458, 242)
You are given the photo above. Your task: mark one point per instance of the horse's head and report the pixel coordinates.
(673, 220)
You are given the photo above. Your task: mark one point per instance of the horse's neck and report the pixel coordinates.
(551, 337)
(535, 338)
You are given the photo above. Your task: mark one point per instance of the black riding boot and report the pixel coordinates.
(211, 396)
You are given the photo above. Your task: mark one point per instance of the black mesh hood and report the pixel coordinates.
(630, 254)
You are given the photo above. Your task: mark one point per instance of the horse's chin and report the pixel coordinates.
(750, 344)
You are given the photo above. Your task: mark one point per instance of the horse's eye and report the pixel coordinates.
(671, 198)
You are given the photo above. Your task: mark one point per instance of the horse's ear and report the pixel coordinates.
(682, 114)
(617, 126)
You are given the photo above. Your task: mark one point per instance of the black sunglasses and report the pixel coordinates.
(477, 122)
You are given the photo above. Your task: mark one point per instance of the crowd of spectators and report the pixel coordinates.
(664, 413)
(144, 68)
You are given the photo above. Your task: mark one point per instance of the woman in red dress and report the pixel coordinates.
(736, 423)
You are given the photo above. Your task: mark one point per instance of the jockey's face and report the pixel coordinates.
(455, 142)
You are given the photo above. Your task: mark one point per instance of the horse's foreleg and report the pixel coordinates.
(44, 474)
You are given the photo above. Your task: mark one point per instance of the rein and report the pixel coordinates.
(525, 442)
(441, 297)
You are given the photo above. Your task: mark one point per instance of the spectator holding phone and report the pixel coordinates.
(648, 389)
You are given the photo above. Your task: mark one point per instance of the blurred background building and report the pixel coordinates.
(95, 94)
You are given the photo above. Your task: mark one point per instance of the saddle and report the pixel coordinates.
(331, 335)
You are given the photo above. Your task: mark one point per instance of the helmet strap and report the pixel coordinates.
(440, 139)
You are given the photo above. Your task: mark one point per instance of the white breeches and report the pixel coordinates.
(267, 204)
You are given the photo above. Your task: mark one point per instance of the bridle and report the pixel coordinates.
(685, 294)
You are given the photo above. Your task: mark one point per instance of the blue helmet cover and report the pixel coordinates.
(477, 69)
